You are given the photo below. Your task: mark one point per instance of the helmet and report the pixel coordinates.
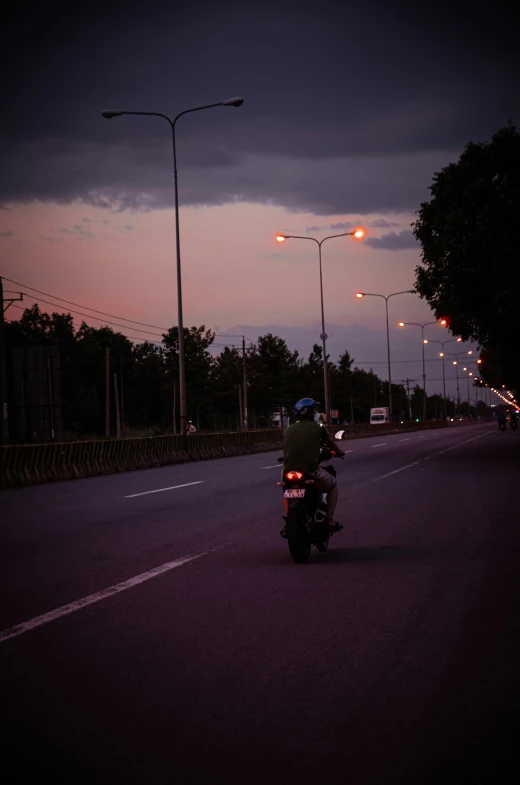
(305, 407)
(190, 422)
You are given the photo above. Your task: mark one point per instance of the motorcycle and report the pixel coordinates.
(502, 427)
(307, 517)
(514, 426)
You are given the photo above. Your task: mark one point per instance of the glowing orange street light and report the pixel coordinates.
(425, 340)
(281, 238)
(386, 298)
(443, 322)
(479, 362)
(401, 324)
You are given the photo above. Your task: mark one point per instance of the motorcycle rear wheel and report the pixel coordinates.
(298, 539)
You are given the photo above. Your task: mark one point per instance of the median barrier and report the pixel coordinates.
(31, 464)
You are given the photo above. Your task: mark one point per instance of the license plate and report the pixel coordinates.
(294, 493)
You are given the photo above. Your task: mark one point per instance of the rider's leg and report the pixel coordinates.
(332, 500)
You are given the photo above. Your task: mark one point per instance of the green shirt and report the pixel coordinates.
(302, 442)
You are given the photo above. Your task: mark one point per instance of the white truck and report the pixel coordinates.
(379, 416)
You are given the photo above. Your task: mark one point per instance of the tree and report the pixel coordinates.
(198, 361)
(273, 375)
(468, 235)
(226, 376)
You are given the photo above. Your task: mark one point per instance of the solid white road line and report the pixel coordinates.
(277, 466)
(429, 458)
(379, 445)
(160, 490)
(65, 610)
(346, 451)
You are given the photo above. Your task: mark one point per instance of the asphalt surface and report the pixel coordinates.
(393, 658)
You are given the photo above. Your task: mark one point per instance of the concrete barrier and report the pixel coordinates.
(30, 464)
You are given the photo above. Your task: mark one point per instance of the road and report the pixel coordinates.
(393, 658)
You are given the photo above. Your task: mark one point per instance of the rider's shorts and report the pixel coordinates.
(326, 479)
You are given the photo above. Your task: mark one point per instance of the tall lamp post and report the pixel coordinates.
(108, 114)
(360, 296)
(442, 354)
(281, 238)
(443, 323)
(456, 364)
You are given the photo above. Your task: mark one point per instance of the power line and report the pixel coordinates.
(91, 316)
(86, 307)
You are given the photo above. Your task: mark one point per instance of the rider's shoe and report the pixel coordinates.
(335, 527)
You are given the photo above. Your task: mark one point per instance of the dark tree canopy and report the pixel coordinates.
(470, 269)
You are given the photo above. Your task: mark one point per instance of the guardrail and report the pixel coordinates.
(30, 464)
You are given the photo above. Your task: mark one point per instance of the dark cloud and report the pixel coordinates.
(50, 239)
(393, 241)
(403, 89)
(383, 223)
(341, 226)
(7, 234)
(77, 230)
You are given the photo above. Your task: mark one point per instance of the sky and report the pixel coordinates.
(349, 110)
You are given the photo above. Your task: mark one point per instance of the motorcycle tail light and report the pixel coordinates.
(294, 475)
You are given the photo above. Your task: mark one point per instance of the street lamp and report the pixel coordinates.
(455, 363)
(108, 114)
(443, 322)
(360, 296)
(442, 354)
(281, 238)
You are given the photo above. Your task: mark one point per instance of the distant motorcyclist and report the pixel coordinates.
(302, 445)
(502, 420)
(514, 419)
(190, 429)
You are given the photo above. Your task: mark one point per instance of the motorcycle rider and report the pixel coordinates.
(302, 444)
(501, 420)
(514, 418)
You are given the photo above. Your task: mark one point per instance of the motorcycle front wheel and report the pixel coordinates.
(298, 539)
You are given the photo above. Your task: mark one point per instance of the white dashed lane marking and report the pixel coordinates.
(160, 490)
(65, 610)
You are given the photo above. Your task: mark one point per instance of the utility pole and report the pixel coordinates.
(244, 384)
(51, 399)
(4, 412)
(116, 398)
(3, 372)
(107, 392)
(122, 406)
(174, 407)
(241, 416)
(408, 382)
